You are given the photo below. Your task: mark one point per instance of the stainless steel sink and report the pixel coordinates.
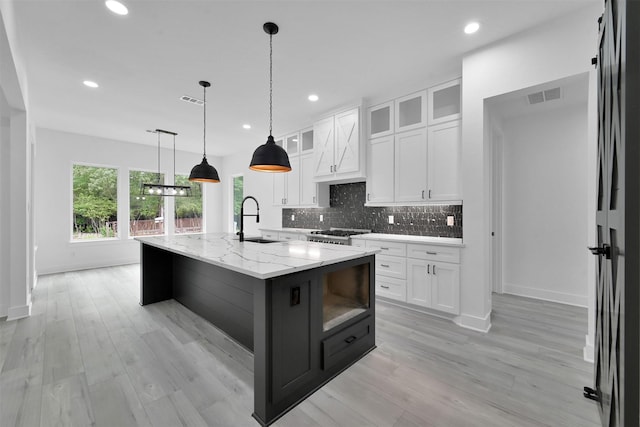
(259, 240)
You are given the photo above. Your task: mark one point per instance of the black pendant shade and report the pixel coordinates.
(204, 172)
(270, 157)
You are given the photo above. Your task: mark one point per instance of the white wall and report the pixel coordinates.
(16, 233)
(562, 48)
(57, 152)
(545, 205)
(256, 184)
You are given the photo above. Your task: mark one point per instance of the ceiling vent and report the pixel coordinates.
(544, 96)
(191, 100)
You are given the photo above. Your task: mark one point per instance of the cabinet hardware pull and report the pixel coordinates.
(384, 265)
(428, 268)
(350, 339)
(432, 253)
(368, 197)
(429, 193)
(335, 168)
(384, 249)
(423, 194)
(384, 287)
(314, 199)
(434, 270)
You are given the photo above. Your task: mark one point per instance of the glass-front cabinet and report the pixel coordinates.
(411, 111)
(444, 102)
(306, 136)
(381, 120)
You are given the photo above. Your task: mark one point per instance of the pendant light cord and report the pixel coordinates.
(174, 159)
(204, 135)
(158, 177)
(270, 83)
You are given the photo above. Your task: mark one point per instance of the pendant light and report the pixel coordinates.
(204, 172)
(157, 189)
(270, 157)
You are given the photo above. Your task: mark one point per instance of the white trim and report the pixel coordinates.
(86, 266)
(480, 324)
(545, 294)
(19, 312)
(588, 350)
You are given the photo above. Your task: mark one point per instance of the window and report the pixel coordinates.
(95, 202)
(146, 212)
(188, 210)
(238, 194)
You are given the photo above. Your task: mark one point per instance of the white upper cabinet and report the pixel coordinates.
(280, 142)
(380, 178)
(381, 120)
(323, 145)
(445, 102)
(286, 185)
(293, 144)
(338, 151)
(306, 144)
(411, 166)
(444, 155)
(411, 111)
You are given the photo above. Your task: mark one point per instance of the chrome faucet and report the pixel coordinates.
(242, 215)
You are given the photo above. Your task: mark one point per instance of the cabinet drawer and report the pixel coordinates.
(391, 288)
(391, 266)
(288, 236)
(433, 252)
(342, 346)
(358, 243)
(272, 235)
(388, 248)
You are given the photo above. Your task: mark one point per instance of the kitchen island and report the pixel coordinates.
(306, 310)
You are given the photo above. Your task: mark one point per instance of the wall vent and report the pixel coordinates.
(544, 96)
(191, 100)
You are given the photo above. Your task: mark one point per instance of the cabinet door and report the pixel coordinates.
(444, 161)
(279, 188)
(293, 144)
(307, 185)
(347, 142)
(411, 166)
(381, 120)
(380, 170)
(445, 287)
(444, 102)
(292, 196)
(323, 141)
(418, 282)
(411, 111)
(306, 143)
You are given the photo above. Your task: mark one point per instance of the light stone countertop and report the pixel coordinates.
(260, 260)
(404, 238)
(289, 230)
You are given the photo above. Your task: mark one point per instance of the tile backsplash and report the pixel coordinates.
(347, 210)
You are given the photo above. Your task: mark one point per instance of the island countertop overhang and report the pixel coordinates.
(259, 260)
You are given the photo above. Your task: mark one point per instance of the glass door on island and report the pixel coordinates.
(345, 294)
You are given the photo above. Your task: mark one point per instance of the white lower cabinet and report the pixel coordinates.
(420, 274)
(282, 235)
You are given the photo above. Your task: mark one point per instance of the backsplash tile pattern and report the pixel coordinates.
(348, 211)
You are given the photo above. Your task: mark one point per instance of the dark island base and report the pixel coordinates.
(279, 319)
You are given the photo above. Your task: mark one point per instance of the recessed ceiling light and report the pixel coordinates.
(116, 7)
(90, 84)
(313, 97)
(471, 27)
(245, 126)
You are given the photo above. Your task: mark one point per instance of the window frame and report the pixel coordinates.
(164, 202)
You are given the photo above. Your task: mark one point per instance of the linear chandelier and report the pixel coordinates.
(158, 189)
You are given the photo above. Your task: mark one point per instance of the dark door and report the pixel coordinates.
(617, 297)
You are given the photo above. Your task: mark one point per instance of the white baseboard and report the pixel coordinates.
(86, 266)
(480, 324)
(544, 294)
(588, 352)
(19, 312)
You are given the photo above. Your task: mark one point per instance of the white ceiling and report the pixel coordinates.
(341, 50)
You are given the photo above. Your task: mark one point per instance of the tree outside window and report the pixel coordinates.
(95, 202)
(238, 194)
(146, 212)
(188, 210)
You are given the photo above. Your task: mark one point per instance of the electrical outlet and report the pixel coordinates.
(321, 218)
(450, 220)
(293, 217)
(391, 219)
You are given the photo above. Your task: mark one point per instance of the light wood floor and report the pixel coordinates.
(90, 355)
